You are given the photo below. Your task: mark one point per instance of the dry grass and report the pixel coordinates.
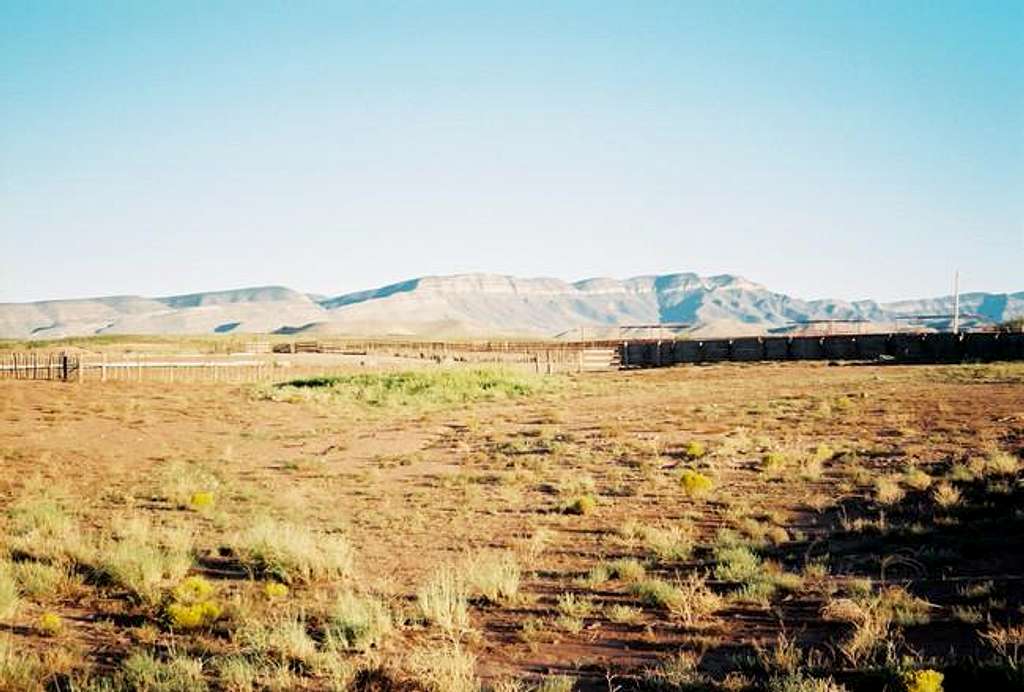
(443, 600)
(690, 600)
(143, 559)
(493, 576)
(10, 597)
(448, 668)
(293, 553)
(199, 545)
(359, 622)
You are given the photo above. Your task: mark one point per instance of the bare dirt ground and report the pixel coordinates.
(830, 503)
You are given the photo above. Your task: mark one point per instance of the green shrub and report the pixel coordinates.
(736, 563)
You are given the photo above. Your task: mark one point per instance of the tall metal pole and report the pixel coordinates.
(956, 302)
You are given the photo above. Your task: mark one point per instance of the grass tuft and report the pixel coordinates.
(444, 669)
(493, 576)
(142, 559)
(358, 622)
(292, 553)
(443, 600)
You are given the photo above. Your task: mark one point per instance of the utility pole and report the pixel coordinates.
(956, 302)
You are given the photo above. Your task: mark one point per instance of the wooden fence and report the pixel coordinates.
(537, 356)
(39, 366)
(138, 368)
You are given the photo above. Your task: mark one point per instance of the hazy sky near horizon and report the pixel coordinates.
(850, 149)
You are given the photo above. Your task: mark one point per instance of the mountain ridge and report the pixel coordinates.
(482, 304)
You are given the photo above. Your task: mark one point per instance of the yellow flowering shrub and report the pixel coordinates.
(922, 681)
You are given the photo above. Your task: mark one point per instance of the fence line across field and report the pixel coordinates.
(321, 358)
(175, 370)
(77, 367)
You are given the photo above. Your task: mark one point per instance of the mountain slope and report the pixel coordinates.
(482, 305)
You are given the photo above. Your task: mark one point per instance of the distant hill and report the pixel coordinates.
(476, 305)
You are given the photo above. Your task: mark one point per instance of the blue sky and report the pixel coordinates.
(843, 149)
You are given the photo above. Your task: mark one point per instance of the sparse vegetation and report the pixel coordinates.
(418, 389)
(787, 527)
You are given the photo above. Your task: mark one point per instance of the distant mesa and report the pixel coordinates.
(491, 305)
